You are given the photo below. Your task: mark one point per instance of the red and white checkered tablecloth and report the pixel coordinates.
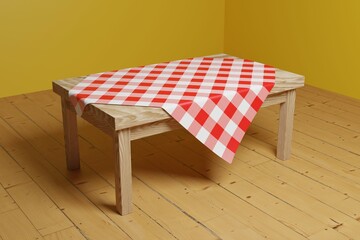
(215, 99)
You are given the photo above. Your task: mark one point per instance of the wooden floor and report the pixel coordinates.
(181, 190)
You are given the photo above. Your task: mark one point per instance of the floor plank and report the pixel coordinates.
(11, 173)
(71, 233)
(6, 202)
(182, 190)
(15, 225)
(41, 211)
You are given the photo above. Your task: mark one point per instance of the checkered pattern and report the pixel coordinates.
(215, 99)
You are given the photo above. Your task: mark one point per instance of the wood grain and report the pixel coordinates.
(70, 136)
(11, 174)
(6, 202)
(286, 123)
(40, 210)
(123, 178)
(71, 233)
(15, 225)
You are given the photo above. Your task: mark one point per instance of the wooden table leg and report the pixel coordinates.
(70, 135)
(123, 178)
(286, 123)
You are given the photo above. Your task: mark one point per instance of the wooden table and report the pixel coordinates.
(127, 123)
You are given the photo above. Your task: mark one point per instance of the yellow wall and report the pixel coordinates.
(317, 38)
(45, 40)
(41, 40)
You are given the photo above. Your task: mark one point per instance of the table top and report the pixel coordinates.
(120, 117)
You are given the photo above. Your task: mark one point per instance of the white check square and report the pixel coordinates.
(244, 107)
(216, 113)
(187, 120)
